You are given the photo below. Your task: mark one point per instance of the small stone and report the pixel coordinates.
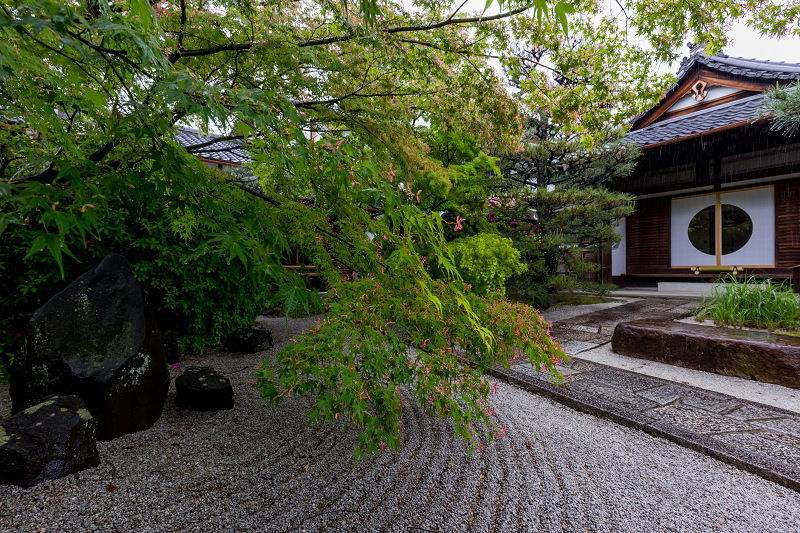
(204, 389)
(248, 340)
(47, 441)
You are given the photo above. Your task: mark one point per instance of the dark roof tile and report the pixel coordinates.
(698, 122)
(223, 151)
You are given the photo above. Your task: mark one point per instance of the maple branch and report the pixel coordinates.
(177, 54)
(453, 14)
(50, 173)
(423, 27)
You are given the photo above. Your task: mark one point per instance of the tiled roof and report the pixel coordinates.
(769, 72)
(698, 122)
(222, 151)
(739, 66)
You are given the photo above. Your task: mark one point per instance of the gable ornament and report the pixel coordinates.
(700, 90)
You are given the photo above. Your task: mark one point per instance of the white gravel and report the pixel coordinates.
(261, 469)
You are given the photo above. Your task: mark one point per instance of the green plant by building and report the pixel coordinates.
(764, 304)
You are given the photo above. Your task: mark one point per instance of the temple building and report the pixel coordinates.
(716, 190)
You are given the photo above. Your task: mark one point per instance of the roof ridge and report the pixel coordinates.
(760, 64)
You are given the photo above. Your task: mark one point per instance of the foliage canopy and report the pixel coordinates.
(325, 97)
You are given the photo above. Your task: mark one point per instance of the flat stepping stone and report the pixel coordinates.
(766, 357)
(576, 347)
(46, 441)
(204, 389)
(248, 340)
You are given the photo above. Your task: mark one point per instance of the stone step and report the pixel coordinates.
(766, 357)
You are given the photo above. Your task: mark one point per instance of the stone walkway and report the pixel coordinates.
(757, 438)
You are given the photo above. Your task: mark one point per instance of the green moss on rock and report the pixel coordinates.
(33, 409)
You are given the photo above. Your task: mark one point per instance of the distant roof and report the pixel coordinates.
(767, 72)
(230, 152)
(712, 118)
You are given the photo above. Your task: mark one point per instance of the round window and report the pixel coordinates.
(736, 228)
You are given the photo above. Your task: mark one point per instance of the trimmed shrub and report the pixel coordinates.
(485, 261)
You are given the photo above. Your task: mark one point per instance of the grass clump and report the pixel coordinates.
(750, 303)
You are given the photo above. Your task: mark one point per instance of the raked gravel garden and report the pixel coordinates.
(258, 468)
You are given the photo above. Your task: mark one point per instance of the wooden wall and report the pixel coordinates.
(787, 223)
(647, 233)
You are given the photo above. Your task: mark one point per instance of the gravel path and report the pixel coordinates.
(261, 469)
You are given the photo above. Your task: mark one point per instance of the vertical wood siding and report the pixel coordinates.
(787, 223)
(648, 235)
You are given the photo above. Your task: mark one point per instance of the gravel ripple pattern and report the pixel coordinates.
(263, 469)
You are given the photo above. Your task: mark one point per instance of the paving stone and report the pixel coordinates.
(581, 327)
(788, 425)
(788, 440)
(562, 334)
(575, 347)
(530, 371)
(766, 444)
(662, 395)
(706, 400)
(755, 412)
(582, 365)
(624, 399)
(627, 381)
(685, 309)
(696, 420)
(641, 308)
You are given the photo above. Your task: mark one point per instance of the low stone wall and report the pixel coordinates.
(766, 357)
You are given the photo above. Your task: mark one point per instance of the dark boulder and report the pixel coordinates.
(96, 339)
(248, 340)
(172, 352)
(204, 389)
(47, 441)
(761, 356)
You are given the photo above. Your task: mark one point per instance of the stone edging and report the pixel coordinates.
(755, 464)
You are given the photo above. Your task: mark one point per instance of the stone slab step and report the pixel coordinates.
(766, 357)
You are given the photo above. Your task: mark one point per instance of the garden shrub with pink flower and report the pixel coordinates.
(357, 363)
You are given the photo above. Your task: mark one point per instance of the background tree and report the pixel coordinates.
(783, 103)
(590, 79)
(552, 200)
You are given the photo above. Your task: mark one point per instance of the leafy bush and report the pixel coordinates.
(530, 287)
(751, 303)
(485, 261)
(600, 289)
(200, 290)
